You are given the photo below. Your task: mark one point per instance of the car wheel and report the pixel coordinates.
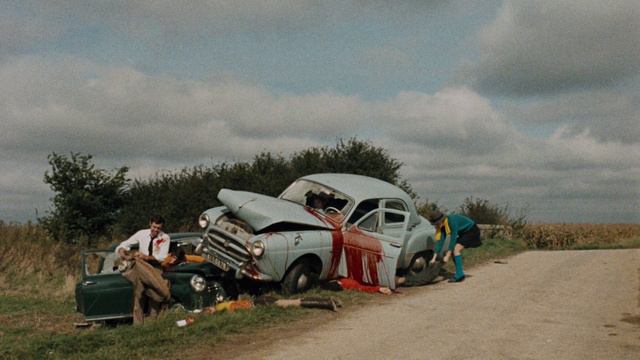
(177, 307)
(420, 271)
(300, 278)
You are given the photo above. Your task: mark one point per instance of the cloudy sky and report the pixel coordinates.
(535, 104)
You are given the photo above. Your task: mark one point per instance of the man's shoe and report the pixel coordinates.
(457, 279)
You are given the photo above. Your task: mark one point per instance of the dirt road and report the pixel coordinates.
(539, 305)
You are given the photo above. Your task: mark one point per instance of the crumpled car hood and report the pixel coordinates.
(261, 211)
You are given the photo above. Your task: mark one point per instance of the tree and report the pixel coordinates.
(87, 200)
(181, 196)
(362, 158)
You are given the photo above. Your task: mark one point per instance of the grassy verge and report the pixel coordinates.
(492, 249)
(43, 328)
(38, 326)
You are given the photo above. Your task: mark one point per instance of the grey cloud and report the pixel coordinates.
(69, 104)
(170, 19)
(456, 119)
(19, 33)
(554, 178)
(23, 194)
(609, 115)
(549, 46)
(454, 143)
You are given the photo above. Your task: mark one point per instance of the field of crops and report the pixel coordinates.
(580, 236)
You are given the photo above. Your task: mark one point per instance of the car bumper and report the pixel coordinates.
(228, 264)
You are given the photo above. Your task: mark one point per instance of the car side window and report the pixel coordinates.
(108, 266)
(93, 263)
(370, 223)
(362, 209)
(100, 263)
(391, 218)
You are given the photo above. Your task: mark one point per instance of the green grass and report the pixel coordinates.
(21, 338)
(493, 248)
(36, 327)
(18, 306)
(154, 339)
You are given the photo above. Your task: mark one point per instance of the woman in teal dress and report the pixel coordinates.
(462, 233)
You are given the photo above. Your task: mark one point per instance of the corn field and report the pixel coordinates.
(567, 236)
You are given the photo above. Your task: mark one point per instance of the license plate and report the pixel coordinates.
(218, 262)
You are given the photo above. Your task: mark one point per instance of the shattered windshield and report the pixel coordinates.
(308, 193)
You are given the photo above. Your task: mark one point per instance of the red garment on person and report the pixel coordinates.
(351, 284)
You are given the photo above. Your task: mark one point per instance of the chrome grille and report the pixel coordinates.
(227, 245)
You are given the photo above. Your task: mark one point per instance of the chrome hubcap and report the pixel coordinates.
(303, 280)
(419, 265)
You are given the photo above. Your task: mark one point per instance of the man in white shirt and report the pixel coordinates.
(153, 244)
(150, 289)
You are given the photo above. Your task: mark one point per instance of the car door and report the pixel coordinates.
(392, 223)
(103, 292)
(369, 255)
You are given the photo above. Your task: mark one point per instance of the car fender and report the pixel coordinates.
(274, 260)
(420, 240)
(290, 246)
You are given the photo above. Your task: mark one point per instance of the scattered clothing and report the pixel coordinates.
(351, 284)
(424, 277)
(265, 300)
(233, 305)
(150, 289)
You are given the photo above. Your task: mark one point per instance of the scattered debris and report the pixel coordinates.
(185, 322)
(634, 320)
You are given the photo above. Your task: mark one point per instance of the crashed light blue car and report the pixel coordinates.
(367, 230)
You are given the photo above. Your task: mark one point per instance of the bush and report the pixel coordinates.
(87, 200)
(483, 212)
(426, 206)
(181, 196)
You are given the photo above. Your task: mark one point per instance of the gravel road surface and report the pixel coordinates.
(537, 305)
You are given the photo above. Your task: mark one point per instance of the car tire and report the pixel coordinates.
(299, 278)
(421, 271)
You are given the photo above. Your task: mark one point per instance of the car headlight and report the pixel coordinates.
(198, 283)
(203, 221)
(257, 248)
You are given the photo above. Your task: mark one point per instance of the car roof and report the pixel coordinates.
(358, 186)
(362, 187)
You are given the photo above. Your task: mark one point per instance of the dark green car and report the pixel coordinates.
(104, 294)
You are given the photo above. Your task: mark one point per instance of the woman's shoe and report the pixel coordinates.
(457, 279)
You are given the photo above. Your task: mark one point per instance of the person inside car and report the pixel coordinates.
(319, 201)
